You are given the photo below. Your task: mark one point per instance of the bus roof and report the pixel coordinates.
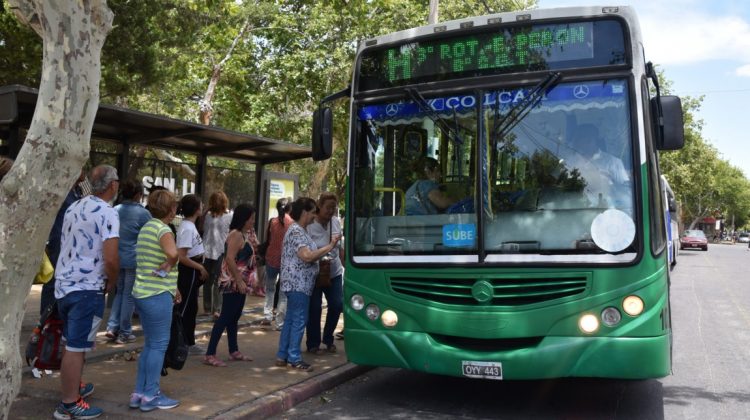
(625, 12)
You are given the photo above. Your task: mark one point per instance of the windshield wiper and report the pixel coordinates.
(519, 111)
(417, 97)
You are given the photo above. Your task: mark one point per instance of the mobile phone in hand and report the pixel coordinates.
(161, 273)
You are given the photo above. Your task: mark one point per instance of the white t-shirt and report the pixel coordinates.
(87, 224)
(215, 232)
(188, 237)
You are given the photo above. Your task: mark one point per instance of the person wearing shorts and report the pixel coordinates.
(87, 267)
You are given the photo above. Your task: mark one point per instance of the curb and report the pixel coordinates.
(105, 354)
(284, 399)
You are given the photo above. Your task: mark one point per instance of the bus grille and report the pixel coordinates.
(505, 291)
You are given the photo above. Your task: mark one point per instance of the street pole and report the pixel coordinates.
(433, 18)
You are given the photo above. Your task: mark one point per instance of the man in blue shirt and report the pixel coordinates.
(132, 218)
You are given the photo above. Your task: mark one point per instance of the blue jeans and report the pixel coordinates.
(271, 275)
(231, 311)
(81, 313)
(121, 316)
(335, 298)
(290, 339)
(156, 320)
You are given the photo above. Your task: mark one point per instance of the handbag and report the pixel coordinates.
(247, 272)
(324, 274)
(177, 349)
(46, 271)
(324, 265)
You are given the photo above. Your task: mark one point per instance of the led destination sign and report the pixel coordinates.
(498, 50)
(548, 43)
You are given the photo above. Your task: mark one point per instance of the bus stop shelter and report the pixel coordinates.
(125, 128)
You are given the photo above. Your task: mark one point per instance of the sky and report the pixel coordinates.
(703, 47)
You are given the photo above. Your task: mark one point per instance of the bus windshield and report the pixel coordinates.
(455, 175)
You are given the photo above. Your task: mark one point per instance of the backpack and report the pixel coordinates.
(44, 349)
(177, 350)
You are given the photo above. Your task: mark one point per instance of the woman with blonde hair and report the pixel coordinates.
(215, 230)
(154, 291)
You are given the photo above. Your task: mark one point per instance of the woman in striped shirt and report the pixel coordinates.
(154, 291)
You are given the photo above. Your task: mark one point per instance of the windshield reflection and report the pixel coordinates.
(557, 182)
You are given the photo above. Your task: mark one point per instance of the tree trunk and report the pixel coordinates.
(56, 148)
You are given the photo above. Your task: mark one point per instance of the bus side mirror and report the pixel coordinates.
(322, 136)
(670, 128)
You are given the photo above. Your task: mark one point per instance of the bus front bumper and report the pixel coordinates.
(553, 357)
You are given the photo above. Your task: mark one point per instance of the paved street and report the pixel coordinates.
(711, 317)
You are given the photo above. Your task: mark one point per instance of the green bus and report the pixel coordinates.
(504, 211)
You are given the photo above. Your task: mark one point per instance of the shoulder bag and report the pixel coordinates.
(324, 264)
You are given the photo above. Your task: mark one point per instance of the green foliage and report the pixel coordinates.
(161, 55)
(704, 183)
(20, 52)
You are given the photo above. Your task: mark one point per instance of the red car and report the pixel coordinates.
(694, 239)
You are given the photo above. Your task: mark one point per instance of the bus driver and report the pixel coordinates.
(425, 196)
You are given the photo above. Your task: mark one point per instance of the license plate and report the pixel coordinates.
(483, 370)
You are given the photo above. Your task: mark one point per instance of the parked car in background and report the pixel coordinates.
(694, 239)
(743, 237)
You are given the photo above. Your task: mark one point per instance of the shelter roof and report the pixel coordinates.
(122, 125)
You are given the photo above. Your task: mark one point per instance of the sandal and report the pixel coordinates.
(315, 350)
(239, 357)
(331, 348)
(306, 367)
(213, 361)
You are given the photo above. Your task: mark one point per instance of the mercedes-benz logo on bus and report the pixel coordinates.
(581, 91)
(391, 109)
(482, 291)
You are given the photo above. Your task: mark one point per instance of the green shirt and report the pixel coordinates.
(148, 257)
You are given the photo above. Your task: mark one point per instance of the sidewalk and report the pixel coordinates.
(256, 389)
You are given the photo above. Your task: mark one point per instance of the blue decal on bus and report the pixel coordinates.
(506, 98)
(459, 235)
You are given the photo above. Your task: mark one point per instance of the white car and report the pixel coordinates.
(743, 238)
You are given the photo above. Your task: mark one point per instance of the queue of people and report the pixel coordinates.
(158, 273)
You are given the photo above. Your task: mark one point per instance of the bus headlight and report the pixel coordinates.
(611, 316)
(588, 323)
(633, 305)
(357, 302)
(372, 311)
(389, 318)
